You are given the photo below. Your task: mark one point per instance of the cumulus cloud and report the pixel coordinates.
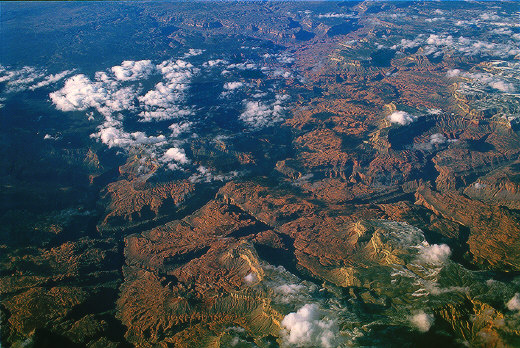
(304, 328)
(203, 174)
(258, 114)
(502, 31)
(289, 289)
(18, 80)
(480, 79)
(233, 85)
(50, 137)
(282, 73)
(192, 52)
(29, 78)
(401, 117)
(243, 66)
(230, 87)
(164, 101)
(437, 138)
(489, 16)
(435, 19)
(251, 277)
(287, 293)
(479, 185)
(50, 79)
(492, 81)
(337, 15)
(179, 128)
(285, 59)
(133, 70)
(422, 321)
(514, 303)
(436, 44)
(175, 154)
(453, 73)
(174, 158)
(214, 63)
(79, 93)
(113, 136)
(116, 97)
(436, 254)
(502, 86)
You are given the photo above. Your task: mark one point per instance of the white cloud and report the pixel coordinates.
(175, 154)
(27, 77)
(437, 138)
(50, 79)
(337, 15)
(192, 52)
(233, 85)
(514, 303)
(485, 79)
(422, 321)
(285, 59)
(50, 137)
(243, 66)
(304, 328)
(479, 185)
(502, 86)
(251, 277)
(436, 44)
(205, 175)
(215, 62)
(18, 80)
(401, 117)
(282, 73)
(79, 93)
(258, 114)
(435, 19)
(502, 31)
(489, 16)
(133, 70)
(163, 102)
(289, 289)
(453, 73)
(436, 254)
(110, 96)
(287, 293)
(179, 128)
(113, 136)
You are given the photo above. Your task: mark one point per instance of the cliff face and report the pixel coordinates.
(493, 231)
